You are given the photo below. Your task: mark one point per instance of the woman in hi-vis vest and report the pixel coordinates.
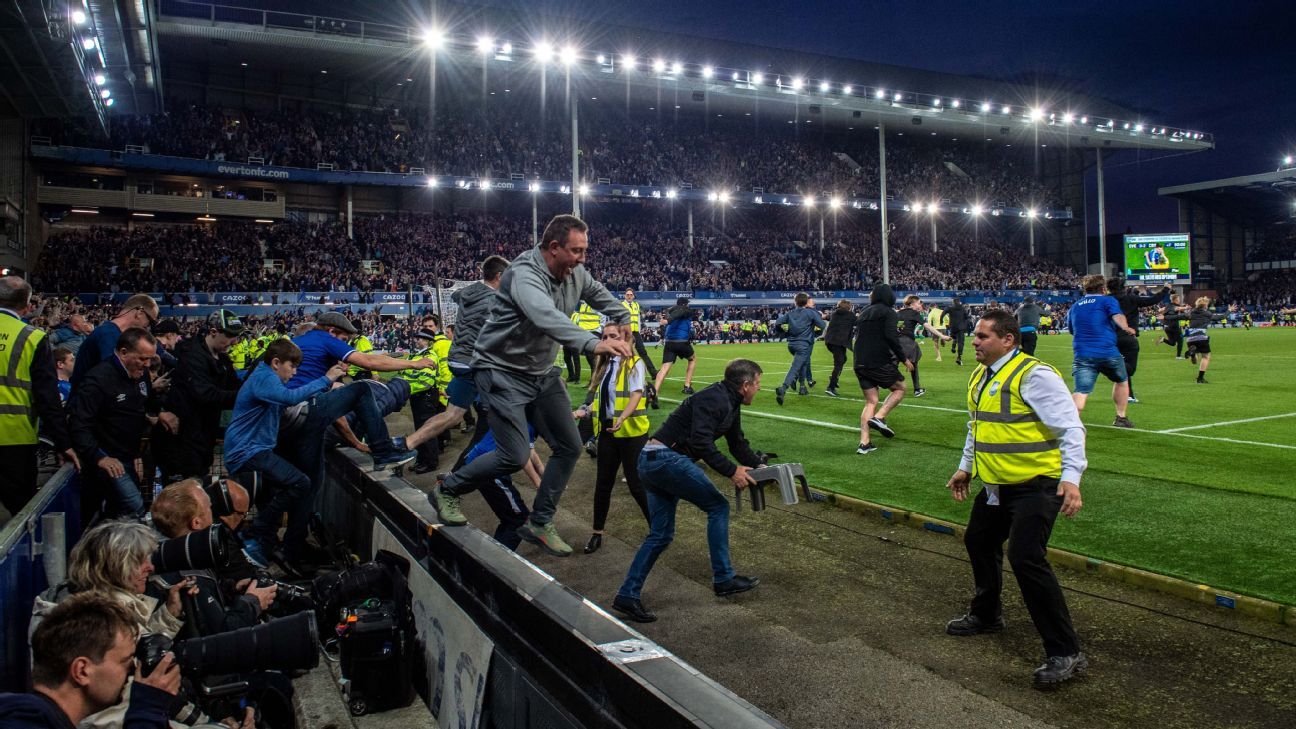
(619, 414)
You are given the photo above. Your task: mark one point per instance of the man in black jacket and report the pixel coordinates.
(111, 410)
(841, 324)
(83, 653)
(958, 327)
(877, 349)
(1130, 303)
(203, 385)
(668, 473)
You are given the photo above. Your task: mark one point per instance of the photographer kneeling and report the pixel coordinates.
(82, 657)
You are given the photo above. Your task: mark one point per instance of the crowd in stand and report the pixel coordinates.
(512, 137)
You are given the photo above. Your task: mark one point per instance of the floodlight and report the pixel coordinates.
(677, 68)
(707, 72)
(1084, 120)
(880, 93)
(1288, 160)
(1138, 127)
(628, 60)
(899, 96)
(1032, 213)
(712, 197)
(1007, 109)
(846, 90)
(936, 102)
(835, 203)
(544, 51)
(507, 48)
(569, 55)
(100, 79)
(724, 197)
(78, 17)
(809, 201)
(584, 190)
(1068, 118)
(985, 107)
(671, 194)
(432, 182)
(824, 86)
(918, 208)
(933, 208)
(109, 102)
(433, 38)
(659, 66)
(601, 59)
(88, 44)
(976, 210)
(798, 83)
(1036, 114)
(485, 43)
(104, 93)
(955, 103)
(758, 78)
(534, 187)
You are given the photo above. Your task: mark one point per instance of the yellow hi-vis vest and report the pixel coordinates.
(238, 354)
(637, 423)
(363, 346)
(633, 308)
(586, 318)
(18, 342)
(420, 380)
(1010, 443)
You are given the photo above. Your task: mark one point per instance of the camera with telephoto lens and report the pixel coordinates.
(206, 549)
(283, 644)
(289, 600)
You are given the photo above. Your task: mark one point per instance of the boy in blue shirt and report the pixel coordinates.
(1093, 321)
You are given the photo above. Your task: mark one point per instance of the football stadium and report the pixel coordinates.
(490, 364)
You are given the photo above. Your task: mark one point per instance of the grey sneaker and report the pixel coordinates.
(447, 506)
(1122, 423)
(1059, 669)
(546, 536)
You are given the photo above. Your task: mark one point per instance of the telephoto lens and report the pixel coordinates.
(209, 548)
(284, 644)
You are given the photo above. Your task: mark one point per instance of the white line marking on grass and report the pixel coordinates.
(836, 426)
(1228, 422)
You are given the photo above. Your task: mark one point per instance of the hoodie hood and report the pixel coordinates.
(474, 303)
(30, 710)
(882, 294)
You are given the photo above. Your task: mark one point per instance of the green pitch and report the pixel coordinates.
(1191, 493)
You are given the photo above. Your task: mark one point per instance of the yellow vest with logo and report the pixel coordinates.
(1010, 443)
(637, 423)
(586, 318)
(421, 380)
(238, 354)
(633, 308)
(363, 346)
(18, 342)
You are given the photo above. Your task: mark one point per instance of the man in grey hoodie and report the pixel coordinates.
(803, 324)
(513, 369)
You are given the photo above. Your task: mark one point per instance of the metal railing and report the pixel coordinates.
(317, 24)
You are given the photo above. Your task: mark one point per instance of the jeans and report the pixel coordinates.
(122, 493)
(668, 477)
(1085, 370)
(512, 400)
(290, 491)
(800, 363)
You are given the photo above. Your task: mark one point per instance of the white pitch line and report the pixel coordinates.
(835, 426)
(1228, 422)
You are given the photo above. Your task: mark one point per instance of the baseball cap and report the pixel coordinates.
(224, 321)
(335, 319)
(166, 326)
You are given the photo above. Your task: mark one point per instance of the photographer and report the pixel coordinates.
(82, 659)
(184, 508)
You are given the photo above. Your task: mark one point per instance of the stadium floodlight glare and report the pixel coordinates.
(88, 44)
(507, 48)
(677, 68)
(78, 17)
(601, 59)
(485, 43)
(809, 201)
(918, 208)
(707, 72)
(955, 103)
(933, 208)
(628, 60)
(976, 210)
(936, 102)
(898, 96)
(798, 83)
(432, 182)
(985, 107)
(758, 78)
(824, 87)
(671, 194)
(1288, 160)
(1007, 109)
(433, 38)
(100, 79)
(879, 94)
(1068, 118)
(104, 93)
(1036, 114)
(712, 197)
(569, 55)
(835, 203)
(1138, 128)
(1084, 120)
(109, 102)
(534, 187)
(659, 66)
(724, 197)
(1032, 213)
(584, 190)
(544, 51)
(846, 90)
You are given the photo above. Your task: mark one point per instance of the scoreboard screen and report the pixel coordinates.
(1158, 259)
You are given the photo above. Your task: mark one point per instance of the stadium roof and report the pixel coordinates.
(683, 72)
(1260, 200)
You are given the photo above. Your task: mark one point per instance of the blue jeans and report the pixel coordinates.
(122, 493)
(667, 477)
(800, 363)
(289, 492)
(1085, 370)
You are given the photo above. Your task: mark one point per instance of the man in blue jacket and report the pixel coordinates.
(1094, 321)
(802, 325)
(82, 655)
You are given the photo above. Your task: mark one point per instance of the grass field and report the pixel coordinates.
(1202, 489)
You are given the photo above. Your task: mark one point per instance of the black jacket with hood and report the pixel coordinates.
(877, 338)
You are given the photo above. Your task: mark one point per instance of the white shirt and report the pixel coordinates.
(635, 379)
(1046, 394)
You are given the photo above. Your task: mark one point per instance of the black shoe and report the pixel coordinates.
(779, 392)
(1133, 399)
(811, 383)
(970, 624)
(803, 392)
(632, 609)
(687, 390)
(736, 585)
(958, 361)
(595, 541)
(1059, 669)
(865, 449)
(831, 392)
(422, 468)
(919, 392)
(880, 426)
(1202, 381)
(651, 393)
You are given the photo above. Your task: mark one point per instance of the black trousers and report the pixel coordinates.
(1129, 349)
(839, 361)
(423, 407)
(643, 355)
(18, 476)
(1028, 342)
(571, 357)
(956, 345)
(1024, 519)
(613, 454)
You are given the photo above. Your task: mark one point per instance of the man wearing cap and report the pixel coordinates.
(203, 385)
(167, 333)
(513, 366)
(427, 388)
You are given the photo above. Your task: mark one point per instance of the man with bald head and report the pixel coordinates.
(28, 395)
(139, 311)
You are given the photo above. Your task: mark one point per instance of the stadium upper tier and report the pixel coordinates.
(641, 149)
(647, 253)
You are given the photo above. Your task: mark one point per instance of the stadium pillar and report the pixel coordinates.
(882, 201)
(1102, 219)
(575, 160)
(690, 227)
(350, 193)
(933, 229)
(1031, 222)
(821, 233)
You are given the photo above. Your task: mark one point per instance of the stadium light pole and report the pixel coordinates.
(690, 225)
(1102, 219)
(932, 214)
(575, 165)
(882, 202)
